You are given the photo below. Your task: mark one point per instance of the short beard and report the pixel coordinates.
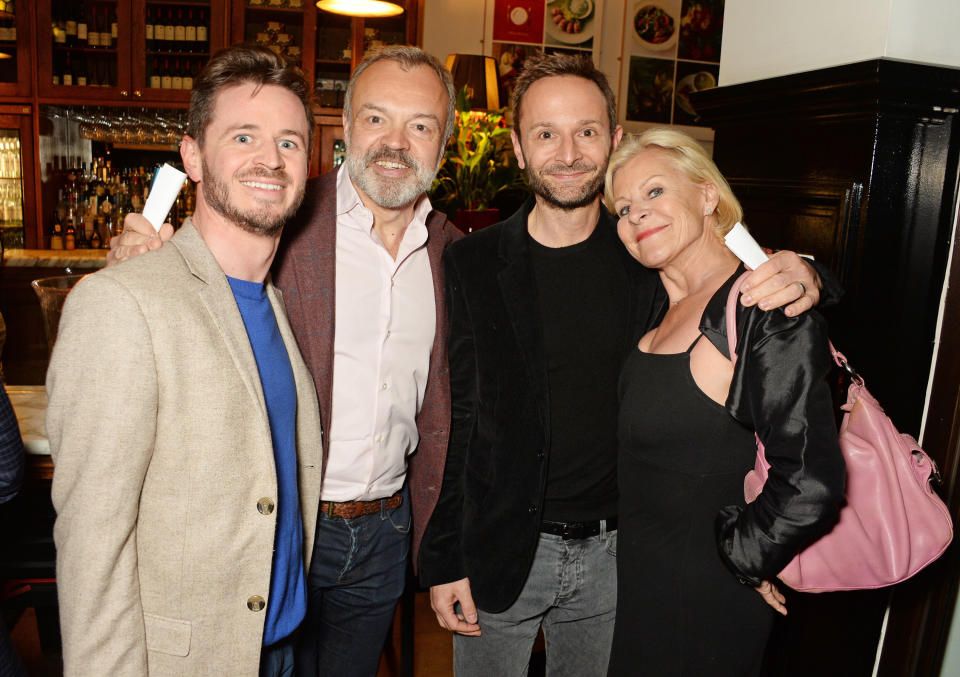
(583, 197)
(385, 192)
(259, 222)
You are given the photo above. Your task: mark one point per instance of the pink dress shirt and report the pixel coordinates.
(385, 327)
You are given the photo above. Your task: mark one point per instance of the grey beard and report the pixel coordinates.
(387, 193)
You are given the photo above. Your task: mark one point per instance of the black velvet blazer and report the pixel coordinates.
(779, 390)
(487, 520)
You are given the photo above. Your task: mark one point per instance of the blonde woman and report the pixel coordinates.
(692, 557)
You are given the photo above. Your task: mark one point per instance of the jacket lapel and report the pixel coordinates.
(217, 297)
(518, 289)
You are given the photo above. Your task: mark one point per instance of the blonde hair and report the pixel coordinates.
(689, 158)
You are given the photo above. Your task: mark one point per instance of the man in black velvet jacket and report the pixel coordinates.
(543, 307)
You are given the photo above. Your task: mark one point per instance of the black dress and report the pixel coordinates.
(680, 610)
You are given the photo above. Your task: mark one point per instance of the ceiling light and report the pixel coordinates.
(364, 8)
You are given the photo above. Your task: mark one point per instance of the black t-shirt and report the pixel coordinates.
(583, 297)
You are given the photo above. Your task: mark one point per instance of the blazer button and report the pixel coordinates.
(265, 506)
(532, 509)
(256, 603)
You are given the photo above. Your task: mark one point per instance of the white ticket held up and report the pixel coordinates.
(741, 243)
(167, 182)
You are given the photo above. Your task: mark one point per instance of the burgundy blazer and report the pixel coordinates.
(305, 271)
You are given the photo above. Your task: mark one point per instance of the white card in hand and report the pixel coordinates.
(741, 243)
(166, 184)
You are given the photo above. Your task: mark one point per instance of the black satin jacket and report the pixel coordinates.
(779, 389)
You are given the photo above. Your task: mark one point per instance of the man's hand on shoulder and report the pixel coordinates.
(785, 279)
(444, 598)
(138, 237)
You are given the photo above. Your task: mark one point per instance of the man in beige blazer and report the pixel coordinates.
(171, 477)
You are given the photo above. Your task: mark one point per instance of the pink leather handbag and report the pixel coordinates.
(892, 525)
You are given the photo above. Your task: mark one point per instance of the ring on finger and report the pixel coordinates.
(803, 287)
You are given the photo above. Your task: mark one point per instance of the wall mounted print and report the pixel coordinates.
(671, 49)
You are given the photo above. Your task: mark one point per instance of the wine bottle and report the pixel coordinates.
(190, 32)
(187, 75)
(81, 14)
(67, 77)
(202, 45)
(179, 32)
(70, 27)
(176, 80)
(114, 28)
(155, 74)
(170, 32)
(166, 79)
(81, 79)
(148, 30)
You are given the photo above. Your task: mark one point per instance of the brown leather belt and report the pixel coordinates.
(351, 509)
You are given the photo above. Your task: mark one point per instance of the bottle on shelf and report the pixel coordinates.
(202, 41)
(148, 30)
(82, 37)
(170, 32)
(176, 79)
(59, 25)
(190, 32)
(166, 78)
(179, 32)
(81, 78)
(93, 28)
(187, 75)
(114, 28)
(155, 74)
(70, 25)
(67, 76)
(56, 232)
(70, 236)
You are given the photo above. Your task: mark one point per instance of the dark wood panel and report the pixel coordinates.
(858, 164)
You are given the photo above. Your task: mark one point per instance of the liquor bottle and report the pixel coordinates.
(148, 30)
(70, 236)
(176, 81)
(190, 32)
(56, 233)
(67, 76)
(202, 45)
(155, 74)
(81, 14)
(166, 79)
(179, 32)
(96, 241)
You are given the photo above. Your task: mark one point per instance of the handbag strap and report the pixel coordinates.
(732, 299)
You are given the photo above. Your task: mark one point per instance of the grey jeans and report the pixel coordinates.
(572, 592)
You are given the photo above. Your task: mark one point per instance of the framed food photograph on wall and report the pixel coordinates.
(522, 27)
(670, 49)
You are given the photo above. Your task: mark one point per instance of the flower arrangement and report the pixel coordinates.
(478, 163)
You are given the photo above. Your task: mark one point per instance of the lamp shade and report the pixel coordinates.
(479, 74)
(365, 8)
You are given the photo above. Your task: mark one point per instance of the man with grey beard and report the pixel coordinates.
(360, 271)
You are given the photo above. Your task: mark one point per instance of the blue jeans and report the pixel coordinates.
(356, 577)
(572, 592)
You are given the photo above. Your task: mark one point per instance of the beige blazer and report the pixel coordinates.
(164, 480)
